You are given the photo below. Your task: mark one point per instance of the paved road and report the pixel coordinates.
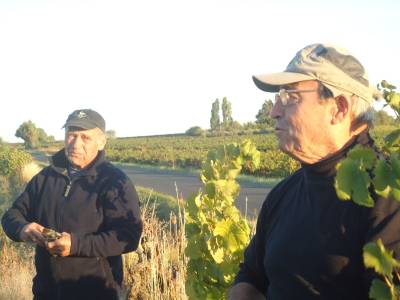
(166, 181)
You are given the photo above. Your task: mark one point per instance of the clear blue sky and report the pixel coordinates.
(156, 66)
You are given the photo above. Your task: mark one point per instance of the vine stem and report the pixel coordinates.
(389, 283)
(398, 275)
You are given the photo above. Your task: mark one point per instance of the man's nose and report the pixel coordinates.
(277, 110)
(77, 142)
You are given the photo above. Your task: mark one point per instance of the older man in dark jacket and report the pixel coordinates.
(92, 203)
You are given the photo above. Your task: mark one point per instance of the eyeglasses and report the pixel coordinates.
(283, 96)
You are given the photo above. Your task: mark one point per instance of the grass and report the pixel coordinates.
(157, 270)
(16, 269)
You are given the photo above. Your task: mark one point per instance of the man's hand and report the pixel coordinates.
(245, 291)
(32, 232)
(61, 246)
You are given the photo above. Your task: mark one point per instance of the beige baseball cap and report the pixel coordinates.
(333, 66)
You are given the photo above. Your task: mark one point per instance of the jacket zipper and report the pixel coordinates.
(61, 210)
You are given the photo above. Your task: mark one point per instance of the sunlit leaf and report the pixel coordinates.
(363, 154)
(394, 101)
(382, 179)
(352, 182)
(377, 257)
(387, 85)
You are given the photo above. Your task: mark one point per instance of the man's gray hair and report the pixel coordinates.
(362, 110)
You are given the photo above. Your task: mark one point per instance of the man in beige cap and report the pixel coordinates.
(308, 243)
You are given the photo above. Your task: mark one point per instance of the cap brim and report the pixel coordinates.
(272, 82)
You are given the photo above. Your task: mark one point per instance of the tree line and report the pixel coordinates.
(221, 120)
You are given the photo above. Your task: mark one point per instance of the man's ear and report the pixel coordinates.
(102, 141)
(340, 110)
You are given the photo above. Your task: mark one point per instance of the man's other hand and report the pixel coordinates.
(32, 232)
(245, 291)
(61, 246)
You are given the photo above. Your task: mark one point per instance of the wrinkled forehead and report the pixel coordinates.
(80, 130)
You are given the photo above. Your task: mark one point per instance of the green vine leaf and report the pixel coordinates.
(365, 156)
(380, 291)
(386, 180)
(217, 234)
(352, 182)
(377, 257)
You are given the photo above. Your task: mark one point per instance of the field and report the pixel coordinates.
(189, 152)
(182, 151)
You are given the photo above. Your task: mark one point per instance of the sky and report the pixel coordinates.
(155, 67)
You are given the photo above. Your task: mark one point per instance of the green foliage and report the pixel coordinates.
(382, 261)
(11, 163)
(263, 116)
(12, 160)
(188, 152)
(362, 171)
(215, 122)
(195, 131)
(216, 233)
(381, 291)
(33, 137)
(381, 117)
(352, 180)
(390, 96)
(387, 178)
(378, 258)
(226, 113)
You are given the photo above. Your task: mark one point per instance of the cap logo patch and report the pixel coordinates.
(81, 115)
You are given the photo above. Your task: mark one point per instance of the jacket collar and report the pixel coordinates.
(59, 163)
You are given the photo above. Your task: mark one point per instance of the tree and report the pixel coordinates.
(111, 134)
(43, 138)
(381, 117)
(33, 137)
(215, 122)
(29, 133)
(226, 113)
(195, 131)
(263, 116)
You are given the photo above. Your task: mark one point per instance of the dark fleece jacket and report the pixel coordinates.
(99, 209)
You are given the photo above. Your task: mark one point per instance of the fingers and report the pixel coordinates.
(61, 246)
(32, 232)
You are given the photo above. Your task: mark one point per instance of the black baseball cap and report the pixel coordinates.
(86, 119)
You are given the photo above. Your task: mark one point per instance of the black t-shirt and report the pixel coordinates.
(308, 243)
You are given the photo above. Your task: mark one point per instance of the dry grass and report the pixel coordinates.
(157, 269)
(16, 270)
(30, 170)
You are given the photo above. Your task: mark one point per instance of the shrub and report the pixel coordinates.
(195, 131)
